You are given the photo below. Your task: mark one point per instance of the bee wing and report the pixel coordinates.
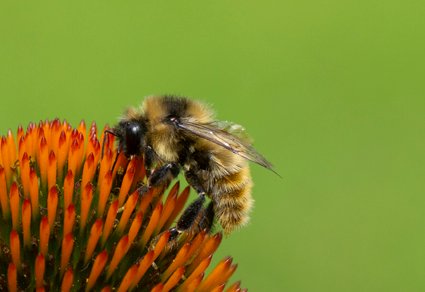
(233, 129)
(214, 133)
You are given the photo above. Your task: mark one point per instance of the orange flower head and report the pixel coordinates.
(70, 219)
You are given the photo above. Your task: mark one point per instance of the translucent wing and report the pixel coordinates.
(218, 133)
(234, 129)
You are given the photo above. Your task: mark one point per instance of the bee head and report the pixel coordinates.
(131, 135)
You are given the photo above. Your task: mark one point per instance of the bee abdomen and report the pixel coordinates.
(232, 200)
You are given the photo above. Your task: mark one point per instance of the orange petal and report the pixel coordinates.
(31, 139)
(128, 209)
(82, 129)
(109, 222)
(1, 152)
(217, 276)
(4, 200)
(88, 170)
(181, 201)
(192, 285)
(62, 153)
(174, 279)
(21, 149)
(120, 251)
(26, 222)
(67, 281)
(105, 166)
(161, 243)
(135, 227)
(11, 145)
(144, 265)
(40, 267)
(97, 268)
(52, 205)
(145, 201)
(34, 188)
(68, 188)
(169, 205)
(15, 248)
(6, 159)
(151, 225)
(68, 219)
(120, 164)
(200, 269)
(128, 279)
(86, 199)
(73, 156)
(20, 133)
(25, 174)
(12, 278)
(14, 205)
(209, 247)
(158, 288)
(67, 246)
(80, 153)
(235, 287)
(178, 261)
(126, 183)
(43, 158)
(44, 235)
(219, 288)
(55, 131)
(51, 170)
(105, 189)
(195, 246)
(95, 232)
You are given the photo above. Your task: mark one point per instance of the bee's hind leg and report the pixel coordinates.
(194, 181)
(196, 215)
(190, 214)
(207, 219)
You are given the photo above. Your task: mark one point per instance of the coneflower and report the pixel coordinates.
(72, 222)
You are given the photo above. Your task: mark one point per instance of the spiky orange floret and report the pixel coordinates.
(69, 220)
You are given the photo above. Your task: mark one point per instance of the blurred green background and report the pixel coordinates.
(333, 92)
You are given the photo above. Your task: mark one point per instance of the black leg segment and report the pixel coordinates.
(207, 219)
(190, 214)
(164, 175)
(194, 181)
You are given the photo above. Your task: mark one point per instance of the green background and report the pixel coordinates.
(331, 91)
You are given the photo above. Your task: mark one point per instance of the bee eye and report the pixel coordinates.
(133, 137)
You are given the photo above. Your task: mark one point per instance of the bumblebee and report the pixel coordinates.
(179, 134)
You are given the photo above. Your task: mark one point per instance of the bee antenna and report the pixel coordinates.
(107, 131)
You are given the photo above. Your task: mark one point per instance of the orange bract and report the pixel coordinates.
(71, 221)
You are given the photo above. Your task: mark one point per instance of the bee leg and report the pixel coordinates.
(196, 211)
(190, 214)
(149, 159)
(207, 218)
(194, 182)
(164, 174)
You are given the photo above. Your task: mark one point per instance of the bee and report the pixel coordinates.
(179, 134)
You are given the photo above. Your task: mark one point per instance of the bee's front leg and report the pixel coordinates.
(163, 175)
(150, 158)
